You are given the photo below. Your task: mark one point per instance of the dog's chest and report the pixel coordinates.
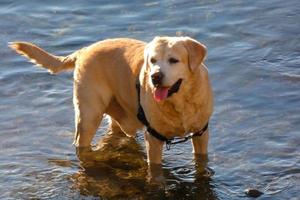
(177, 120)
(191, 116)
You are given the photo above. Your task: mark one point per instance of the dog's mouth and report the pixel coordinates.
(161, 93)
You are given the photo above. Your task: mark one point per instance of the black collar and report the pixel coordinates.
(169, 141)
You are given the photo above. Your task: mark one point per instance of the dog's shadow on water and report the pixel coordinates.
(117, 168)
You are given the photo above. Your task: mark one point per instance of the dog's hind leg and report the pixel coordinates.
(89, 104)
(86, 125)
(115, 127)
(121, 121)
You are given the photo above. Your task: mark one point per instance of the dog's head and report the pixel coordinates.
(170, 61)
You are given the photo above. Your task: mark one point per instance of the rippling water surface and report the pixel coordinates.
(253, 58)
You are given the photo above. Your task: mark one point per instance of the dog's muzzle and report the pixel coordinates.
(175, 87)
(161, 92)
(157, 78)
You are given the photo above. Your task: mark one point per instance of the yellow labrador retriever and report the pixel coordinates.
(165, 82)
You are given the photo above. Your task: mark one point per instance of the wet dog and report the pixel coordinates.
(174, 89)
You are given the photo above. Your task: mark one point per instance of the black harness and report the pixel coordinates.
(169, 141)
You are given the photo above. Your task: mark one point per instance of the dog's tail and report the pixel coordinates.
(54, 64)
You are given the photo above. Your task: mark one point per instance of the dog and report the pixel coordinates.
(165, 81)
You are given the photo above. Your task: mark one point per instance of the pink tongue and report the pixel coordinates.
(161, 93)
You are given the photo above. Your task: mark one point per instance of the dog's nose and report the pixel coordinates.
(157, 78)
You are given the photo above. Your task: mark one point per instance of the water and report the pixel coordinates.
(253, 58)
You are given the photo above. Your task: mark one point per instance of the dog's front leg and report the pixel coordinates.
(154, 158)
(153, 148)
(156, 176)
(200, 144)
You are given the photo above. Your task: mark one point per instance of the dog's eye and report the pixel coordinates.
(173, 60)
(153, 60)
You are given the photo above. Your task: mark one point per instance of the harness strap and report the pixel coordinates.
(176, 140)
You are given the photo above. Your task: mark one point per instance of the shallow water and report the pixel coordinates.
(253, 59)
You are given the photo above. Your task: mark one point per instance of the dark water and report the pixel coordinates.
(253, 58)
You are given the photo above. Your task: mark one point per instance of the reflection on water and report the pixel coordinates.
(116, 168)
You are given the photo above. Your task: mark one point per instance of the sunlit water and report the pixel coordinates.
(253, 59)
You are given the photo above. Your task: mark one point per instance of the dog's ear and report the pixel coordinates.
(196, 52)
(145, 65)
(146, 55)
